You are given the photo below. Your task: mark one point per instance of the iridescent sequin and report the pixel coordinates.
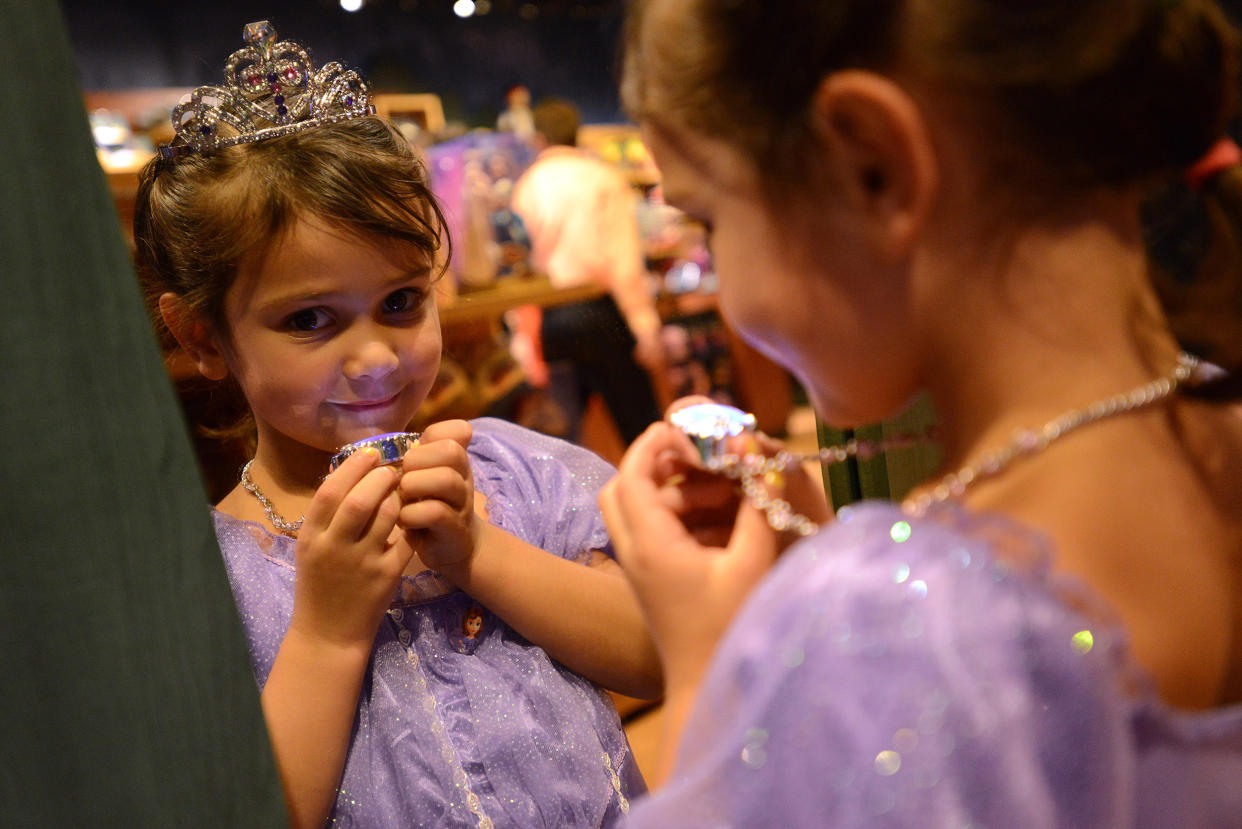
(887, 762)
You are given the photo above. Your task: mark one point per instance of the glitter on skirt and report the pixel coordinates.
(462, 725)
(931, 672)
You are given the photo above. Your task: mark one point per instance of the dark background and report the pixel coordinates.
(563, 48)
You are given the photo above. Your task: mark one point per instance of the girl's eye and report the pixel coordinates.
(308, 319)
(406, 299)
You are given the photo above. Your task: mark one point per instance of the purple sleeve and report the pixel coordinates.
(891, 673)
(540, 488)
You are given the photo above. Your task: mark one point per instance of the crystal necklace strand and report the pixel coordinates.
(289, 528)
(754, 471)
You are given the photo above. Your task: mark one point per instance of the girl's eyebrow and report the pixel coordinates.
(296, 297)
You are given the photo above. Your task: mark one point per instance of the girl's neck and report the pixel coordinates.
(287, 473)
(291, 467)
(1063, 318)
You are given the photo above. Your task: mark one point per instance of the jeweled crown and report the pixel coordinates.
(271, 89)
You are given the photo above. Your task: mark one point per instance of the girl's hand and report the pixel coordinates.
(437, 495)
(347, 566)
(691, 547)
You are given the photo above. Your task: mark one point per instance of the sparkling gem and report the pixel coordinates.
(290, 73)
(900, 531)
(282, 110)
(260, 31)
(279, 99)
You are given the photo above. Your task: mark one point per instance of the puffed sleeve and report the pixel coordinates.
(540, 488)
(894, 673)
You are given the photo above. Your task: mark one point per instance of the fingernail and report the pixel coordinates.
(371, 452)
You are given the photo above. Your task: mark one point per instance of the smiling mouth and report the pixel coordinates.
(366, 405)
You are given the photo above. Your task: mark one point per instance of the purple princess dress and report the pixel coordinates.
(461, 721)
(932, 672)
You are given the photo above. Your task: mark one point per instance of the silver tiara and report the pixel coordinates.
(271, 89)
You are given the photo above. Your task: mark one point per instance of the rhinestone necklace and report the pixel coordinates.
(757, 473)
(289, 528)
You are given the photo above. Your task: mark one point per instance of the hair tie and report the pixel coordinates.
(1223, 155)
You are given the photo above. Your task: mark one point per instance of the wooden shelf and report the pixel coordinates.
(492, 302)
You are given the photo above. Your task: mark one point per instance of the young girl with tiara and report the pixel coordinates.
(426, 635)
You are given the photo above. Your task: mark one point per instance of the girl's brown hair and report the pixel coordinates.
(1086, 93)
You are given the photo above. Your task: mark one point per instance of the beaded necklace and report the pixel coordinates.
(390, 448)
(756, 473)
(286, 527)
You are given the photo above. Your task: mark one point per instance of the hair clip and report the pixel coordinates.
(391, 447)
(1223, 155)
(271, 89)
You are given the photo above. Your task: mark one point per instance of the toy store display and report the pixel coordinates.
(473, 178)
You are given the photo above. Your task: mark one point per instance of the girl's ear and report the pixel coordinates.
(195, 337)
(883, 155)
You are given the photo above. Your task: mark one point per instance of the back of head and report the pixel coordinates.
(557, 120)
(1072, 95)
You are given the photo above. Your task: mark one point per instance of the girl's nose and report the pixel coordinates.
(371, 360)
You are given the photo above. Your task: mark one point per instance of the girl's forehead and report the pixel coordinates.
(317, 258)
(314, 244)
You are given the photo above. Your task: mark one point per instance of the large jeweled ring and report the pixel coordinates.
(392, 448)
(709, 426)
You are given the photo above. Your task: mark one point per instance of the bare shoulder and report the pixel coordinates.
(1133, 511)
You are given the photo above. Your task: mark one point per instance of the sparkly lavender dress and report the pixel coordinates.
(458, 727)
(892, 672)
